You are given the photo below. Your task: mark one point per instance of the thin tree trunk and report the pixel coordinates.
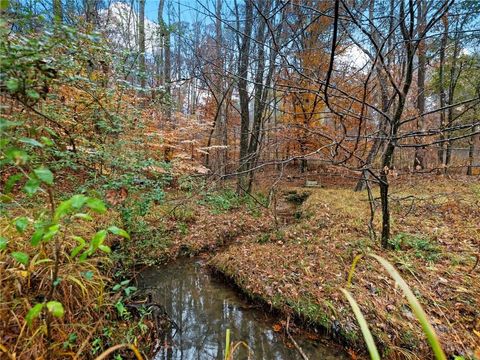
(441, 75)
(244, 98)
(419, 160)
(57, 11)
(471, 151)
(91, 11)
(220, 160)
(168, 73)
(160, 56)
(141, 43)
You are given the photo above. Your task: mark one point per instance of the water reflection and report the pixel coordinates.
(203, 308)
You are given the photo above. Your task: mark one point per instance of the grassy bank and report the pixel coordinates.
(302, 266)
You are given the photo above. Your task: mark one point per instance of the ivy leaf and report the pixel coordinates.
(96, 205)
(56, 308)
(33, 313)
(120, 232)
(21, 224)
(44, 174)
(31, 186)
(21, 257)
(3, 243)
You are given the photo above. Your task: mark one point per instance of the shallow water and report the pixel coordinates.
(203, 307)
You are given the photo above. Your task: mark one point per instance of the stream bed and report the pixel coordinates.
(204, 307)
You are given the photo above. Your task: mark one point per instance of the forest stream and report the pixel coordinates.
(203, 307)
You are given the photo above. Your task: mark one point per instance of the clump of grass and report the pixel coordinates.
(421, 246)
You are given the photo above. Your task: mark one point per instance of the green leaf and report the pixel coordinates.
(79, 247)
(4, 142)
(105, 248)
(96, 205)
(62, 209)
(31, 186)
(47, 141)
(56, 308)
(33, 94)
(13, 84)
(120, 232)
(88, 275)
(3, 243)
(11, 181)
(37, 236)
(4, 124)
(32, 142)
(120, 308)
(21, 257)
(44, 174)
(98, 239)
(17, 156)
(84, 256)
(21, 224)
(78, 201)
(51, 232)
(33, 313)
(83, 216)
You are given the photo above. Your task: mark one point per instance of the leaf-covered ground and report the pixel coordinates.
(300, 267)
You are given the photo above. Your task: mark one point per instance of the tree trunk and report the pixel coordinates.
(168, 74)
(91, 12)
(471, 151)
(383, 97)
(141, 43)
(221, 129)
(441, 75)
(161, 40)
(57, 11)
(242, 183)
(419, 160)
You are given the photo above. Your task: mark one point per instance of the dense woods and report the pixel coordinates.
(322, 156)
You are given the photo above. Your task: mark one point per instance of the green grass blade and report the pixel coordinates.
(227, 344)
(416, 308)
(367, 335)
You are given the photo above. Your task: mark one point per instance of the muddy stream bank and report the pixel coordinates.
(203, 307)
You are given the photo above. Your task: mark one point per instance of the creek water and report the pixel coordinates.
(204, 307)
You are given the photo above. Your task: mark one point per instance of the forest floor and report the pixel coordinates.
(299, 262)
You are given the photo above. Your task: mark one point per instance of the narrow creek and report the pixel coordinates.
(203, 307)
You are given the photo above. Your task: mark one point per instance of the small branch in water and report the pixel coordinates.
(299, 349)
